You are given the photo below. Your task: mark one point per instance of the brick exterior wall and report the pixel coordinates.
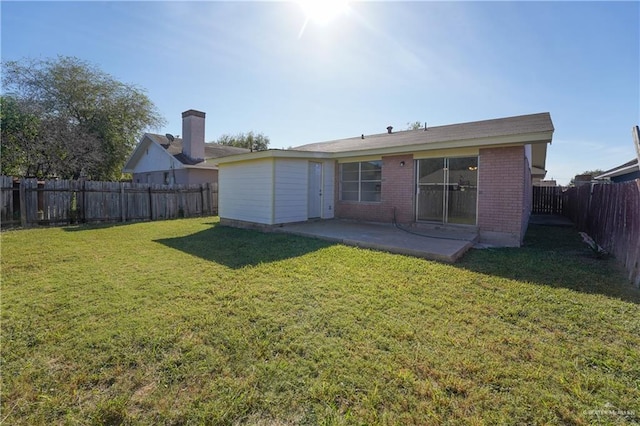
(398, 188)
(528, 198)
(504, 195)
(501, 195)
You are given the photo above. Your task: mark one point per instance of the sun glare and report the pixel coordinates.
(323, 11)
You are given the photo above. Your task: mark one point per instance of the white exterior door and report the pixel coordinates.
(314, 192)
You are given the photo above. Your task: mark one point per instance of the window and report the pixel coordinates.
(361, 181)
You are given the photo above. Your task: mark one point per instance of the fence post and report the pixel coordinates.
(211, 203)
(83, 203)
(202, 186)
(215, 198)
(23, 203)
(210, 195)
(150, 204)
(123, 209)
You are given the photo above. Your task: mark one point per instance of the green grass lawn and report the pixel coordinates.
(187, 322)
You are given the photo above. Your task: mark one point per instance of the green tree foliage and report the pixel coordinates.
(19, 131)
(416, 125)
(67, 118)
(251, 140)
(41, 145)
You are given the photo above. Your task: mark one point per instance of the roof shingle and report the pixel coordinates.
(211, 149)
(509, 126)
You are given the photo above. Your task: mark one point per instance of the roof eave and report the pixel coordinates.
(272, 153)
(201, 167)
(133, 159)
(535, 138)
(494, 141)
(539, 156)
(618, 172)
(146, 140)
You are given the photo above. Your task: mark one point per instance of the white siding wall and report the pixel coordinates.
(246, 191)
(272, 191)
(155, 158)
(291, 183)
(328, 188)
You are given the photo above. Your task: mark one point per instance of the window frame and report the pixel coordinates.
(361, 181)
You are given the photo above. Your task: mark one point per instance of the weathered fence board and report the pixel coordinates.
(8, 199)
(610, 214)
(29, 202)
(547, 200)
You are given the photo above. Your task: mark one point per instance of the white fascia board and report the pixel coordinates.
(259, 155)
(131, 162)
(618, 172)
(196, 166)
(497, 141)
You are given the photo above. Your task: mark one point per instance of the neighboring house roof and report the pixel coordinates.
(623, 169)
(533, 129)
(174, 149)
(211, 150)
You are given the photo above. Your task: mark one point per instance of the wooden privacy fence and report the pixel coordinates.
(610, 214)
(547, 200)
(28, 202)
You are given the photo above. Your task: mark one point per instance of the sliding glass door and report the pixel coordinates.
(447, 190)
(431, 189)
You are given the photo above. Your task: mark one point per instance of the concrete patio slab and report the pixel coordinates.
(434, 244)
(550, 220)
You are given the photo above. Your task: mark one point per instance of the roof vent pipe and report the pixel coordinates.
(389, 129)
(425, 126)
(362, 136)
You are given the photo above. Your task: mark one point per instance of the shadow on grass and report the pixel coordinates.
(104, 225)
(556, 257)
(236, 248)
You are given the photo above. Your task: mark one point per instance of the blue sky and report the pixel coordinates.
(249, 66)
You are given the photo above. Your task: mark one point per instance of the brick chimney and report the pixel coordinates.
(193, 134)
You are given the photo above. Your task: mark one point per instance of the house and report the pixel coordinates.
(622, 173)
(545, 183)
(477, 175)
(168, 159)
(584, 179)
(629, 170)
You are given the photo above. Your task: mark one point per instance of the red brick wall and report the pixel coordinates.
(501, 192)
(528, 197)
(398, 188)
